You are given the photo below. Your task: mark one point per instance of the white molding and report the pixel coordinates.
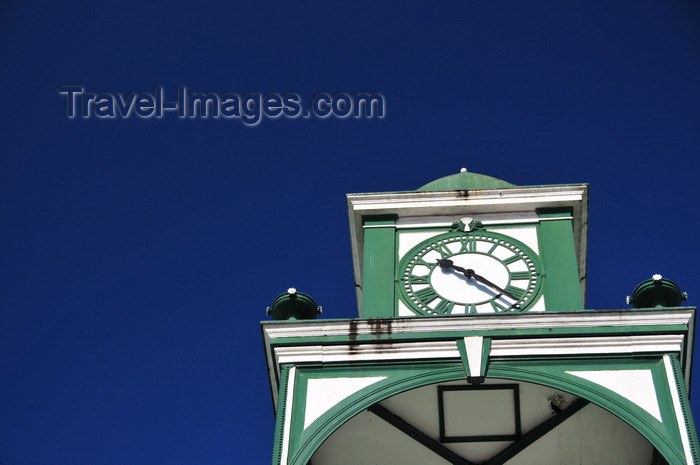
(503, 348)
(587, 345)
(510, 321)
(417, 223)
(298, 354)
(368, 352)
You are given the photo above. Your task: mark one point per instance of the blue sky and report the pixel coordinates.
(138, 255)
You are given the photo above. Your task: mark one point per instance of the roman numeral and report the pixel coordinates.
(512, 259)
(468, 245)
(520, 275)
(413, 279)
(426, 295)
(516, 291)
(444, 307)
(498, 307)
(443, 250)
(420, 261)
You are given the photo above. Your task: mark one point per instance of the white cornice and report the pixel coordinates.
(668, 330)
(398, 327)
(509, 347)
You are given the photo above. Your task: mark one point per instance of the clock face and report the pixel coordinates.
(473, 272)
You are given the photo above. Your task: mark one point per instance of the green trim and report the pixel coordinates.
(497, 227)
(462, 348)
(279, 421)
(558, 253)
(685, 407)
(296, 429)
(378, 272)
(669, 416)
(486, 355)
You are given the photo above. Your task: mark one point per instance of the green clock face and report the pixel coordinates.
(473, 272)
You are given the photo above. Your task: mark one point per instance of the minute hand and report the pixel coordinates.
(469, 273)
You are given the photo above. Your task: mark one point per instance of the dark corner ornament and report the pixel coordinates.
(293, 305)
(657, 292)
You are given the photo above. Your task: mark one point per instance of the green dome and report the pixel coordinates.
(465, 181)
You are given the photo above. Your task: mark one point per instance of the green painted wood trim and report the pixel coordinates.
(463, 355)
(486, 355)
(685, 407)
(279, 421)
(296, 428)
(558, 252)
(378, 266)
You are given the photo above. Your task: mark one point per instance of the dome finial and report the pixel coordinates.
(463, 170)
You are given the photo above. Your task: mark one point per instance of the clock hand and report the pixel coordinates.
(470, 274)
(447, 263)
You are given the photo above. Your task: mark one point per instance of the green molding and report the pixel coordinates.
(685, 407)
(558, 252)
(279, 421)
(378, 272)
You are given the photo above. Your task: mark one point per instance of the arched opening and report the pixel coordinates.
(500, 421)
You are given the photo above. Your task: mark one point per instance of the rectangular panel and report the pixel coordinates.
(479, 413)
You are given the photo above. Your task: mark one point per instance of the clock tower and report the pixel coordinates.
(473, 344)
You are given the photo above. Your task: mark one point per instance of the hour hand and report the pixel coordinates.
(447, 263)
